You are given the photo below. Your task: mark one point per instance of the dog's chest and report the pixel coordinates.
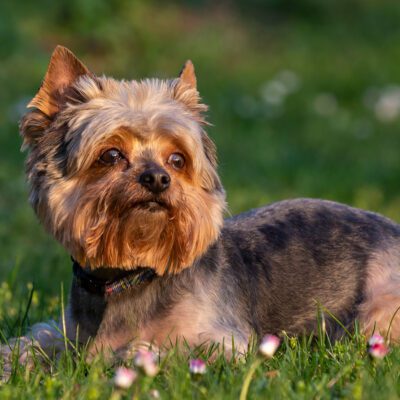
(190, 320)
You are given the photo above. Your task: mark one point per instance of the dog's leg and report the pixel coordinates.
(44, 340)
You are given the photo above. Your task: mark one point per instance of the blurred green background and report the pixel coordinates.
(304, 100)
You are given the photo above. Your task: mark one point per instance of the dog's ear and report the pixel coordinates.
(187, 75)
(186, 91)
(63, 70)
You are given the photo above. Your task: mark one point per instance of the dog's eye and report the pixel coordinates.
(176, 160)
(111, 157)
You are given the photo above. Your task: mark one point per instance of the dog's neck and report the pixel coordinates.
(110, 281)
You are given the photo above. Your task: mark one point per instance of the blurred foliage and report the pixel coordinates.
(304, 97)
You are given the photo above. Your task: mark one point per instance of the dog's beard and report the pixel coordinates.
(167, 233)
(139, 236)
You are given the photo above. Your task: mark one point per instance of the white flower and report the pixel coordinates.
(146, 360)
(124, 377)
(269, 345)
(274, 92)
(197, 366)
(290, 79)
(387, 106)
(376, 339)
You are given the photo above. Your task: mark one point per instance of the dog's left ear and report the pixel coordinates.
(63, 70)
(187, 75)
(186, 91)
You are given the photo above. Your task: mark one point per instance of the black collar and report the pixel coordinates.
(108, 287)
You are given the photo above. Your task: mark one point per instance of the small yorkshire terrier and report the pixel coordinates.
(124, 176)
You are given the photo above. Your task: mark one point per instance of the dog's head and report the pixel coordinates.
(122, 173)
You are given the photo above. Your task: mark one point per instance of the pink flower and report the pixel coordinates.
(197, 366)
(378, 350)
(124, 377)
(269, 345)
(377, 347)
(146, 360)
(376, 338)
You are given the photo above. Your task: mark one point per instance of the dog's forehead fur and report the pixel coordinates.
(148, 108)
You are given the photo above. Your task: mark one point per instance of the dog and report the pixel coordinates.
(124, 176)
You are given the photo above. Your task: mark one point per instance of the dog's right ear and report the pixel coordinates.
(63, 70)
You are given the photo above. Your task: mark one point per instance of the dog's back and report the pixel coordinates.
(297, 256)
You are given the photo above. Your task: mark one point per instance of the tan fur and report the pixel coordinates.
(187, 75)
(63, 70)
(183, 325)
(380, 310)
(89, 208)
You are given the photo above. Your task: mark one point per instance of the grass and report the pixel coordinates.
(303, 368)
(296, 98)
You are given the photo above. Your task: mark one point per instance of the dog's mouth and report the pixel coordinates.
(152, 205)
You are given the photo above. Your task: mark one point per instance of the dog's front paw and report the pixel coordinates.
(44, 341)
(5, 362)
(16, 351)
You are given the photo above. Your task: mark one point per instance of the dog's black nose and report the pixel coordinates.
(155, 179)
